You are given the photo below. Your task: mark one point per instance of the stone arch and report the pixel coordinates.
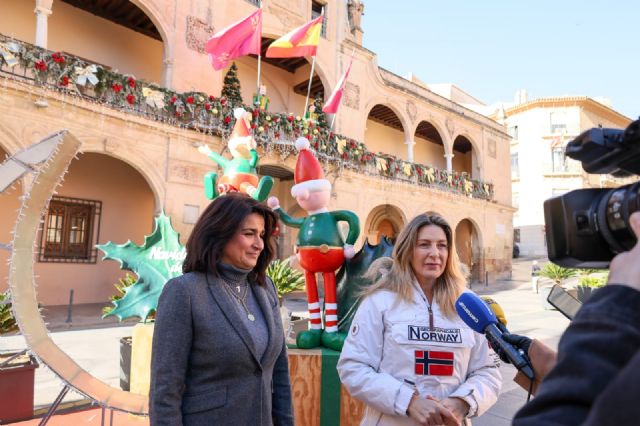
(466, 147)
(386, 101)
(430, 144)
(146, 169)
(9, 206)
(386, 130)
(468, 243)
(120, 191)
(283, 181)
(293, 64)
(150, 8)
(9, 140)
(383, 219)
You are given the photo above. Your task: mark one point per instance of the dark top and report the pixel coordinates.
(596, 381)
(205, 367)
(236, 282)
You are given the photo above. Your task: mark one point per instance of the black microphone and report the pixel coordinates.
(477, 315)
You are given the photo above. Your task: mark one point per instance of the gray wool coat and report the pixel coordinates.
(204, 368)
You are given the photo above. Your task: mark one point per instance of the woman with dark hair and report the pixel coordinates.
(408, 355)
(219, 355)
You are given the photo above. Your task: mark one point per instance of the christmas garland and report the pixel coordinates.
(196, 110)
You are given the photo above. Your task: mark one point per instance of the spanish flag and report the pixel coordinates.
(303, 41)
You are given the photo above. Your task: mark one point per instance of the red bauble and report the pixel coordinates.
(41, 66)
(131, 81)
(173, 99)
(116, 87)
(207, 106)
(131, 99)
(212, 98)
(190, 99)
(223, 101)
(64, 81)
(227, 120)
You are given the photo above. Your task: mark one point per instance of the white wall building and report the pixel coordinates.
(540, 130)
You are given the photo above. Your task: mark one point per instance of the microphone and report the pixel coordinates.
(496, 309)
(481, 319)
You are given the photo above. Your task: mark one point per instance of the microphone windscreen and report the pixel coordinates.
(496, 308)
(474, 312)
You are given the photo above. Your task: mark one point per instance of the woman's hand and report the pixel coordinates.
(430, 412)
(459, 408)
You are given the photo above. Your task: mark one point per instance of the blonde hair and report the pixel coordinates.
(397, 275)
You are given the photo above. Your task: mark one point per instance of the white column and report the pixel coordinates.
(449, 158)
(167, 73)
(410, 145)
(42, 11)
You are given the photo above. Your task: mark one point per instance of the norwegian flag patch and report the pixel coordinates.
(434, 363)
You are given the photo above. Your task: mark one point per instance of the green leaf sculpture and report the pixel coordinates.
(155, 262)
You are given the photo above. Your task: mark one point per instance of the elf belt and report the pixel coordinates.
(322, 248)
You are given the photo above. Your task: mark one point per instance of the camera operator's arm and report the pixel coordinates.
(599, 343)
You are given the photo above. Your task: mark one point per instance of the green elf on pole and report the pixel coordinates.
(320, 246)
(240, 173)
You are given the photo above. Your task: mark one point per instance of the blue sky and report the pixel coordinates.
(491, 48)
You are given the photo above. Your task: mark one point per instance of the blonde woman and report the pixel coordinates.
(408, 355)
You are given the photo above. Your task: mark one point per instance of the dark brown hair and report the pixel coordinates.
(216, 227)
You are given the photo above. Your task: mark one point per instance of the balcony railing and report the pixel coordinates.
(274, 132)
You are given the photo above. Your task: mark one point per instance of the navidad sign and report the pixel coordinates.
(155, 262)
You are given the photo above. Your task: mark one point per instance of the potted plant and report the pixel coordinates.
(125, 342)
(17, 372)
(557, 274)
(590, 283)
(287, 279)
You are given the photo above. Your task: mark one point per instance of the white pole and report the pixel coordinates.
(313, 65)
(306, 101)
(258, 95)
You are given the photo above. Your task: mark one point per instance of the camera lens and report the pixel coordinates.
(613, 212)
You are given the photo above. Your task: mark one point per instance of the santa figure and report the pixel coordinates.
(320, 247)
(240, 173)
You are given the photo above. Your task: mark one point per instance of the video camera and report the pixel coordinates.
(586, 228)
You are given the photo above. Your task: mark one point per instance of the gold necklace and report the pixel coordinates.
(241, 298)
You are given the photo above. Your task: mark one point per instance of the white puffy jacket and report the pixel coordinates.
(391, 351)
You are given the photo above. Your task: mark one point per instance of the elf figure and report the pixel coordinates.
(240, 173)
(261, 100)
(320, 246)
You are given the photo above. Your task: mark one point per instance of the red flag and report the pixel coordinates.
(332, 104)
(239, 39)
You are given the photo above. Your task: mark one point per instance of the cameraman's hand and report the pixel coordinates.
(625, 267)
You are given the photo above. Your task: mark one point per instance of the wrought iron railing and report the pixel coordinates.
(274, 131)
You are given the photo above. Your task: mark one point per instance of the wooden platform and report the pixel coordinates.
(312, 407)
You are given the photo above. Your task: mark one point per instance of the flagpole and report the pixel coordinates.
(313, 65)
(306, 101)
(258, 95)
(333, 119)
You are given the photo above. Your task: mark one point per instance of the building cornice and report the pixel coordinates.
(584, 102)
